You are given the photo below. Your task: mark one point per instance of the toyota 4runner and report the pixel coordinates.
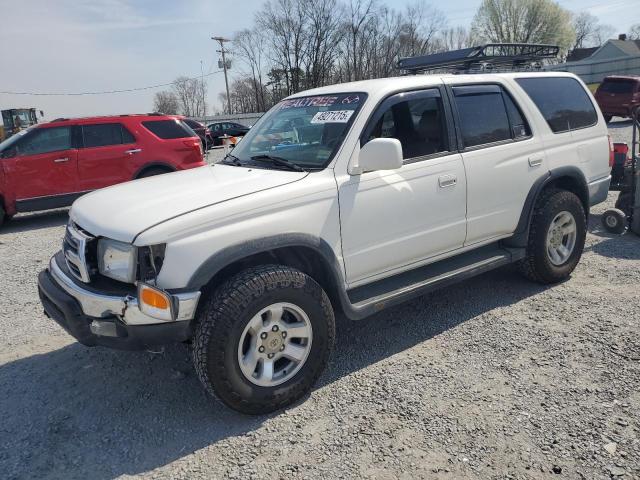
(348, 198)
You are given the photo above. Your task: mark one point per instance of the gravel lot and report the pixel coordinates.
(493, 378)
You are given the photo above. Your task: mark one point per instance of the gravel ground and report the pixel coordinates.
(493, 378)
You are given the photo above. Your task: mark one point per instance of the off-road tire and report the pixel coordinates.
(153, 172)
(614, 220)
(223, 318)
(536, 265)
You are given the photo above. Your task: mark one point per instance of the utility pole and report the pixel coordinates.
(204, 110)
(222, 41)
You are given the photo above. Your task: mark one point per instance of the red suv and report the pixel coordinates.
(618, 96)
(50, 165)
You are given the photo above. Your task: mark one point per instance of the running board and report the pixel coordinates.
(373, 297)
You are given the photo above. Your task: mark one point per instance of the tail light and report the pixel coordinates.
(611, 152)
(195, 144)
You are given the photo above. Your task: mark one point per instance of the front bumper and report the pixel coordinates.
(114, 321)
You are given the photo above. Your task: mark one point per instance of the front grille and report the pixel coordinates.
(76, 248)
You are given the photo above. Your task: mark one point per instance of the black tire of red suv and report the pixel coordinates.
(3, 215)
(221, 324)
(537, 265)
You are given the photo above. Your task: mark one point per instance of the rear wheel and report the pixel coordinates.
(263, 339)
(556, 237)
(153, 171)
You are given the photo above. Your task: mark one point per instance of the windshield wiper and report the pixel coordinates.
(279, 161)
(231, 159)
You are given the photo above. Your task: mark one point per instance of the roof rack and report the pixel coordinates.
(484, 58)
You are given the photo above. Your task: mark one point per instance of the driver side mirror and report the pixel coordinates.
(379, 154)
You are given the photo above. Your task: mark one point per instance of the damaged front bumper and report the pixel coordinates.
(109, 319)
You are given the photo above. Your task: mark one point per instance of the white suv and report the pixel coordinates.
(349, 198)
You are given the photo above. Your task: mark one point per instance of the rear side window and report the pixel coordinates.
(168, 129)
(483, 114)
(617, 86)
(105, 134)
(562, 101)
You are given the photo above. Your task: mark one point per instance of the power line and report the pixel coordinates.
(106, 92)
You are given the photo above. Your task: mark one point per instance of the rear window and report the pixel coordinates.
(617, 86)
(168, 129)
(562, 101)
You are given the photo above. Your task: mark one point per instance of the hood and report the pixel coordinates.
(123, 211)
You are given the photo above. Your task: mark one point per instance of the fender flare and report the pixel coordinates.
(521, 235)
(149, 165)
(234, 253)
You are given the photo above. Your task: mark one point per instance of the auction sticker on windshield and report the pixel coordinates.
(332, 116)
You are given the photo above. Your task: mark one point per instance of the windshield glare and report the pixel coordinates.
(6, 145)
(306, 131)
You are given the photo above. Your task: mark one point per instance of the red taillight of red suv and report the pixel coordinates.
(196, 144)
(611, 152)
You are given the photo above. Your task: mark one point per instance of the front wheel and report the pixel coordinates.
(556, 237)
(263, 339)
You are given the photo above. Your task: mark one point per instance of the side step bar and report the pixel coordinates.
(371, 298)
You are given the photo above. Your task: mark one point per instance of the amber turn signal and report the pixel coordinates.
(155, 302)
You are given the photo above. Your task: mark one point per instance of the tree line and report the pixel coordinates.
(296, 45)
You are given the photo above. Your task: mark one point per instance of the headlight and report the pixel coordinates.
(117, 260)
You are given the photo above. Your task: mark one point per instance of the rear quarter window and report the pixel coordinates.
(562, 101)
(168, 129)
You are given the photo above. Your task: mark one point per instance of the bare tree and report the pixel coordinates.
(249, 45)
(284, 23)
(634, 32)
(166, 102)
(454, 39)
(422, 24)
(359, 13)
(191, 94)
(324, 33)
(524, 21)
(589, 31)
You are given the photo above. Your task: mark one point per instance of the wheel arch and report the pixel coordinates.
(569, 178)
(151, 165)
(311, 255)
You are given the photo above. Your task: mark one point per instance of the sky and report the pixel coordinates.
(70, 46)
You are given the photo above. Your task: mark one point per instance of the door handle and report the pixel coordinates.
(535, 161)
(447, 181)
(61, 160)
(131, 152)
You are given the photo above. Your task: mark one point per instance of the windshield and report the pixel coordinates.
(6, 145)
(305, 131)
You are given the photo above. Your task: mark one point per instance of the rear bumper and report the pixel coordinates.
(598, 190)
(618, 110)
(110, 321)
